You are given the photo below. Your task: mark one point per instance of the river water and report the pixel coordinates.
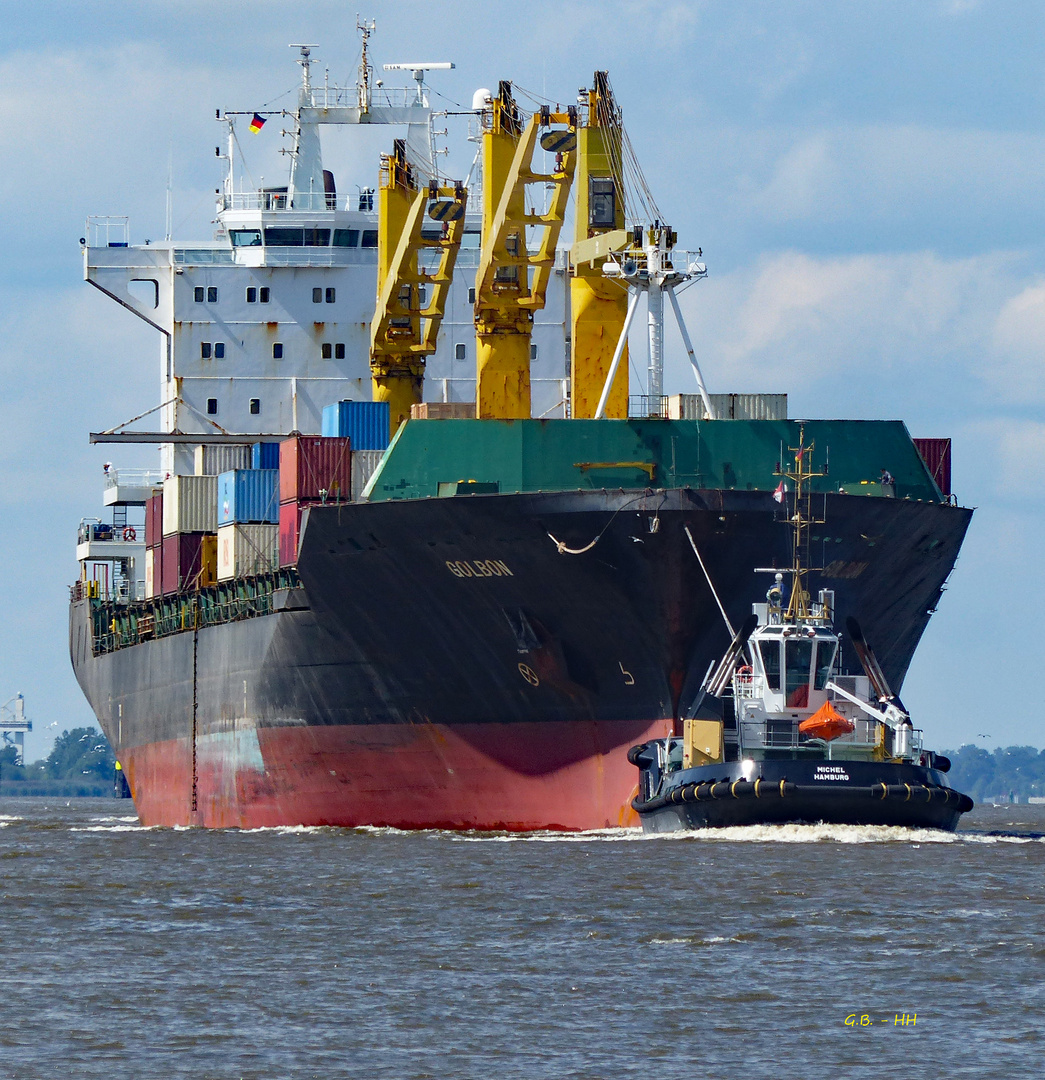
(286, 953)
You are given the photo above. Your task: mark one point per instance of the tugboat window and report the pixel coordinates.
(263, 294)
(459, 351)
(252, 295)
(212, 294)
(326, 351)
(204, 350)
(798, 660)
(331, 293)
(317, 296)
(219, 350)
(212, 406)
(255, 406)
(277, 350)
(370, 238)
(346, 238)
(339, 351)
(770, 651)
(197, 294)
(825, 660)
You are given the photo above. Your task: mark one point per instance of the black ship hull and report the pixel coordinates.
(483, 661)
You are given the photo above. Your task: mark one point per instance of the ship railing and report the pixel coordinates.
(747, 686)
(646, 405)
(106, 231)
(133, 478)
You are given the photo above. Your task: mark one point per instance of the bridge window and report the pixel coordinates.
(825, 660)
(212, 294)
(277, 350)
(770, 652)
(370, 238)
(198, 294)
(255, 406)
(212, 406)
(798, 660)
(346, 238)
(246, 237)
(205, 348)
(219, 350)
(339, 351)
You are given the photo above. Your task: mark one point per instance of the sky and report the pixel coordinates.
(866, 181)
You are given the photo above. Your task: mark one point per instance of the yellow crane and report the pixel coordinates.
(411, 298)
(511, 282)
(598, 304)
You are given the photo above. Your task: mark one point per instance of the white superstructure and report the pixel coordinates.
(268, 322)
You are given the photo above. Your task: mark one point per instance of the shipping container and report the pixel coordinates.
(154, 522)
(184, 562)
(936, 453)
(247, 549)
(364, 465)
(190, 504)
(315, 468)
(153, 572)
(441, 410)
(264, 455)
(366, 423)
(290, 515)
(212, 460)
(248, 496)
(729, 406)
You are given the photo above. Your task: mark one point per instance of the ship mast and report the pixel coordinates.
(801, 521)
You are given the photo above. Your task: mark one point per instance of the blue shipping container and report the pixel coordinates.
(366, 423)
(248, 496)
(264, 455)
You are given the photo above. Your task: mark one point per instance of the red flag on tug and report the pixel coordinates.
(781, 491)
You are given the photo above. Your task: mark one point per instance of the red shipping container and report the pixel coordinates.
(936, 453)
(290, 514)
(154, 521)
(312, 468)
(182, 561)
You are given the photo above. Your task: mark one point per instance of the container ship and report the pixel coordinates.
(415, 554)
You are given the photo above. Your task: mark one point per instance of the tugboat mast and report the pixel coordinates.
(801, 520)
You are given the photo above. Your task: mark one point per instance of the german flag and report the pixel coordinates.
(256, 124)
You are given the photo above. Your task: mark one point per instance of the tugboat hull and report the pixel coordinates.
(805, 792)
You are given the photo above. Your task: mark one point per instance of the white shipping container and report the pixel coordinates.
(190, 504)
(247, 549)
(218, 458)
(364, 465)
(729, 407)
(152, 580)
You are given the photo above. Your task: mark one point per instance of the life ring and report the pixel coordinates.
(129, 533)
(745, 674)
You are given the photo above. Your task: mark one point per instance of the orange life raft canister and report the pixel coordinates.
(826, 723)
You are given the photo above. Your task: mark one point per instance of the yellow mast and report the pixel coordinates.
(411, 299)
(511, 283)
(598, 305)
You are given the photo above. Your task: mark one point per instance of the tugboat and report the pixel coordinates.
(779, 734)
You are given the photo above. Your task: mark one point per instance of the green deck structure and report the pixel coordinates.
(449, 457)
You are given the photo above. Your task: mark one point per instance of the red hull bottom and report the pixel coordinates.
(480, 776)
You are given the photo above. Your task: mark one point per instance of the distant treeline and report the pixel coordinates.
(1012, 772)
(81, 763)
